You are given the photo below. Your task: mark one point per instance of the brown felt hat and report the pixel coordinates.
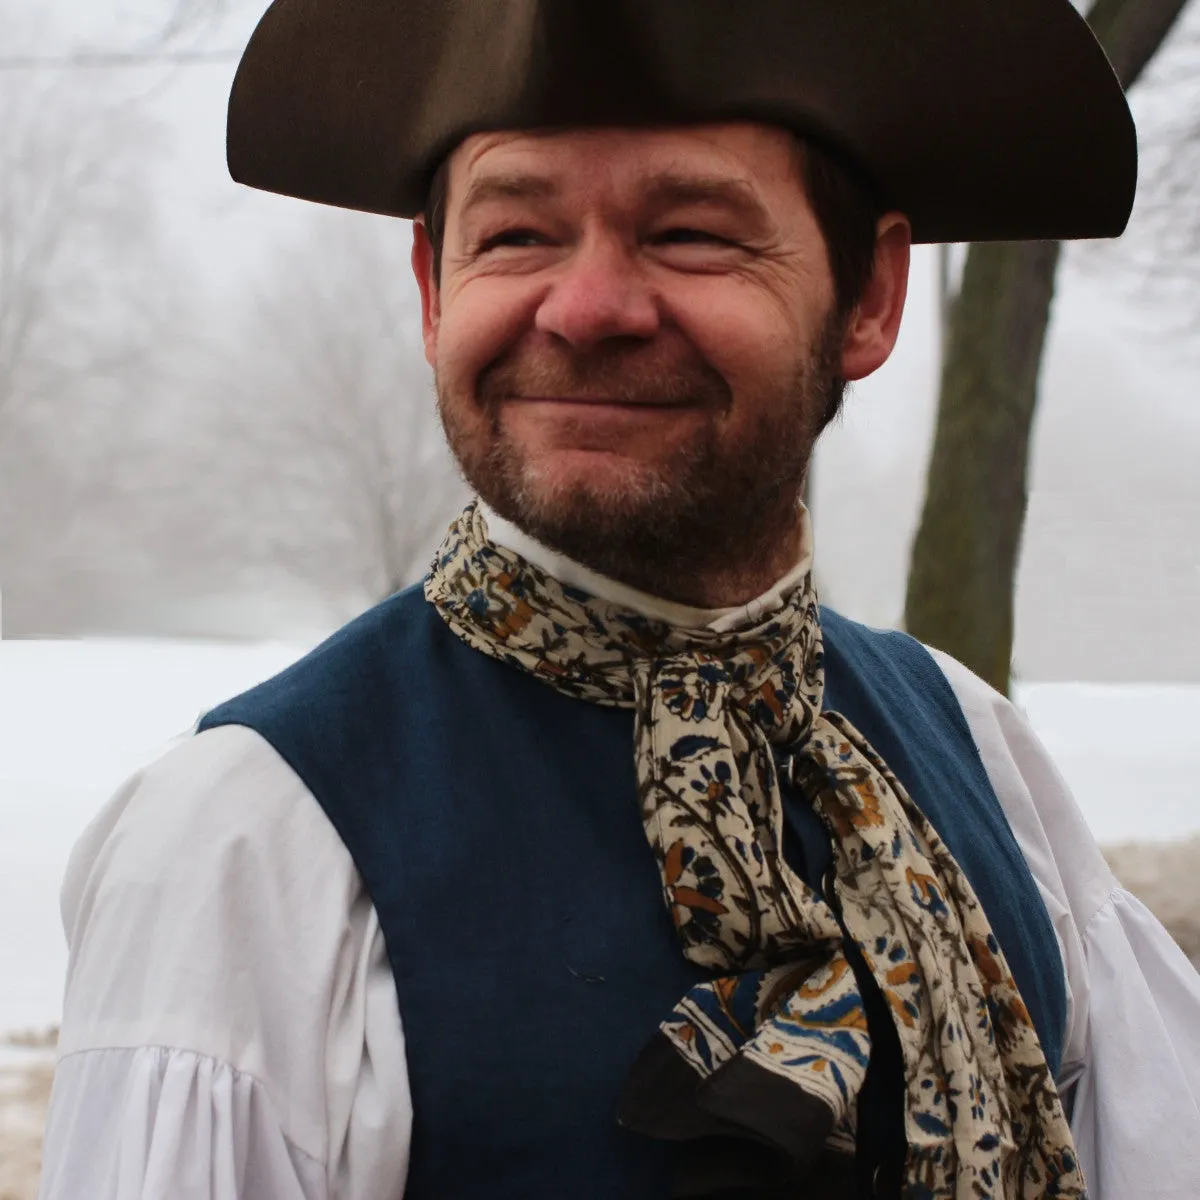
(979, 119)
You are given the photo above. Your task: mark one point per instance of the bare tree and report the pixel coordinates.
(160, 458)
(82, 308)
(185, 19)
(328, 418)
(964, 558)
(1160, 260)
(74, 239)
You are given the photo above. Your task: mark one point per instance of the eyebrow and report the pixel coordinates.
(668, 191)
(507, 187)
(660, 192)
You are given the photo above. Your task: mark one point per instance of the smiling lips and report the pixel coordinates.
(672, 379)
(599, 402)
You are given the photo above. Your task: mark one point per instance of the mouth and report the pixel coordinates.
(600, 402)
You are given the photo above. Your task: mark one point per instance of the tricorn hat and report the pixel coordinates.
(979, 119)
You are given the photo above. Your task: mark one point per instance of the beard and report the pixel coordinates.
(716, 503)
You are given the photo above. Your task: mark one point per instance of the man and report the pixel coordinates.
(606, 863)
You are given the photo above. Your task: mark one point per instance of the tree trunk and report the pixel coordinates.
(960, 595)
(964, 558)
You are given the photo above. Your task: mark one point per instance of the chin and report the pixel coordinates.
(574, 486)
(614, 511)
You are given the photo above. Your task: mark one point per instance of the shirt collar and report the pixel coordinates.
(720, 620)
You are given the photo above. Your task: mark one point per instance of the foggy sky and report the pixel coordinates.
(1110, 580)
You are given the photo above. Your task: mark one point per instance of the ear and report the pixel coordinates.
(874, 324)
(431, 300)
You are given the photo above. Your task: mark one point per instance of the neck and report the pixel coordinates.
(706, 580)
(699, 592)
(714, 563)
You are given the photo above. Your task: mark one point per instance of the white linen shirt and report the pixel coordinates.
(231, 1027)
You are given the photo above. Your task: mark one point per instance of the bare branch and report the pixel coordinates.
(186, 16)
(329, 411)
(1132, 31)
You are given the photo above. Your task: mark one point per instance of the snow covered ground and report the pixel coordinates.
(76, 718)
(1131, 753)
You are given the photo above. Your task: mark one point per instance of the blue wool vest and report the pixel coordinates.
(495, 824)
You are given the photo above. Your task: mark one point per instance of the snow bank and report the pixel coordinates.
(76, 719)
(24, 1095)
(1131, 753)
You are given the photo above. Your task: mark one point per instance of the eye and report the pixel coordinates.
(690, 237)
(515, 238)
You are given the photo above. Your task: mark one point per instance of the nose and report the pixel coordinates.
(597, 295)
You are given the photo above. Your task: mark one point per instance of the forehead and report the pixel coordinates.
(764, 157)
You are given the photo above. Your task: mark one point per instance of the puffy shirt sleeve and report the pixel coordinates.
(132, 1124)
(1131, 1066)
(1136, 1111)
(230, 1025)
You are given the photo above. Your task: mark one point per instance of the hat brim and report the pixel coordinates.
(980, 120)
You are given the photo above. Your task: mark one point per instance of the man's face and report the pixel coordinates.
(634, 337)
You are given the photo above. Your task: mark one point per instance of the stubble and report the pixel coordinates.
(713, 517)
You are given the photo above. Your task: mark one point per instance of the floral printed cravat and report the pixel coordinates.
(774, 1048)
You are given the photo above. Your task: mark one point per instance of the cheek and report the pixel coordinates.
(754, 340)
(480, 322)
